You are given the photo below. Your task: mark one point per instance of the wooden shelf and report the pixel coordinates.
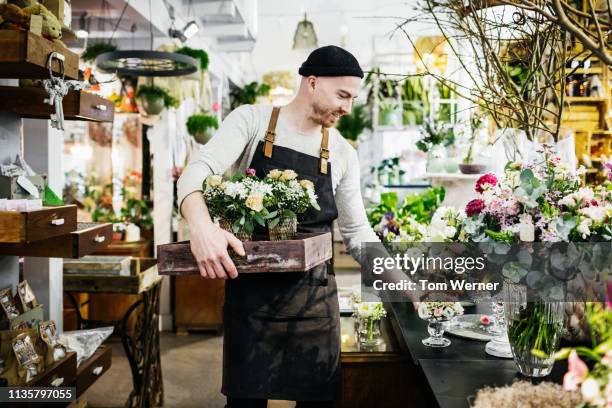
(584, 99)
(48, 222)
(24, 56)
(86, 239)
(28, 102)
(93, 368)
(592, 71)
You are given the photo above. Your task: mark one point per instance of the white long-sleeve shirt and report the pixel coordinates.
(233, 146)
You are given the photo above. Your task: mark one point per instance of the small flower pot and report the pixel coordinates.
(152, 105)
(284, 230)
(203, 137)
(472, 168)
(240, 234)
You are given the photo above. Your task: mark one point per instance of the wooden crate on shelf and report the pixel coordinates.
(24, 55)
(300, 254)
(28, 102)
(28, 226)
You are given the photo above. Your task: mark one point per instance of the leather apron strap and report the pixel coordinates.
(271, 135)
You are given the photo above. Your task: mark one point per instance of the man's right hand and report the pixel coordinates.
(209, 247)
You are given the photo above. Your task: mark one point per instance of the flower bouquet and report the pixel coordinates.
(369, 315)
(238, 203)
(436, 313)
(289, 198)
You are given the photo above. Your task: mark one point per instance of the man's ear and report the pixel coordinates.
(311, 80)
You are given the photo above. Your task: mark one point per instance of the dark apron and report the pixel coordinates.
(282, 330)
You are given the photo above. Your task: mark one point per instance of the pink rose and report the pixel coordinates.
(488, 178)
(250, 172)
(216, 106)
(437, 312)
(576, 373)
(485, 320)
(474, 207)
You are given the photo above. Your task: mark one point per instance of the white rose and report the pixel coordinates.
(275, 174)
(590, 389)
(583, 227)
(214, 180)
(568, 201)
(255, 202)
(596, 213)
(307, 184)
(288, 175)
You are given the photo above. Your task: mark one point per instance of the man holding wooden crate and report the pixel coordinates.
(282, 331)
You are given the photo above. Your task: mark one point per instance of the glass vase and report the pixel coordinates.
(241, 234)
(284, 230)
(533, 325)
(435, 328)
(369, 332)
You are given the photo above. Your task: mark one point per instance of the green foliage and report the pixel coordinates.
(200, 123)
(92, 51)
(248, 94)
(196, 53)
(435, 134)
(154, 91)
(419, 205)
(353, 125)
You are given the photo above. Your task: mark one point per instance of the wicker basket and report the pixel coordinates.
(284, 230)
(241, 234)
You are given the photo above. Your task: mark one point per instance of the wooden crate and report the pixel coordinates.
(24, 55)
(300, 254)
(62, 372)
(28, 102)
(28, 226)
(87, 238)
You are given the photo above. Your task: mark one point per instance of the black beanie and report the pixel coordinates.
(331, 61)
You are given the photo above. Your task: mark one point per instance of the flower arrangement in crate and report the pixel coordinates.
(245, 201)
(368, 316)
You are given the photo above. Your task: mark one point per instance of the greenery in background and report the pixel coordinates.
(154, 91)
(352, 126)
(414, 99)
(200, 123)
(435, 134)
(445, 113)
(92, 51)
(248, 94)
(476, 122)
(532, 329)
(136, 211)
(419, 205)
(196, 53)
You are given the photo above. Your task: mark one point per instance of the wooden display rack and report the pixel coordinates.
(28, 226)
(28, 102)
(24, 56)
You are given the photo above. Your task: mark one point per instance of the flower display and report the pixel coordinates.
(439, 311)
(290, 196)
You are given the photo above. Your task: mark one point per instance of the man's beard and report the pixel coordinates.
(319, 114)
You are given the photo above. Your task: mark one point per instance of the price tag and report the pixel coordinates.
(36, 24)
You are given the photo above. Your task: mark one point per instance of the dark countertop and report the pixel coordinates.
(457, 372)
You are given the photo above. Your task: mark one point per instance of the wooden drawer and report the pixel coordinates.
(24, 55)
(88, 237)
(35, 225)
(60, 374)
(28, 102)
(91, 370)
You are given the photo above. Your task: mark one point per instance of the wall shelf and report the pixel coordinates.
(24, 56)
(584, 99)
(28, 226)
(28, 102)
(86, 239)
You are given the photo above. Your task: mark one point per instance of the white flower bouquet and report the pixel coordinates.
(439, 311)
(368, 316)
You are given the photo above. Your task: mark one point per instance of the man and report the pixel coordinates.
(282, 331)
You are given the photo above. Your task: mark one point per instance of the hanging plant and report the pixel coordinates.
(196, 53)
(154, 99)
(200, 126)
(93, 50)
(248, 94)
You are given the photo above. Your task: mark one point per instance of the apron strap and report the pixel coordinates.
(324, 150)
(271, 133)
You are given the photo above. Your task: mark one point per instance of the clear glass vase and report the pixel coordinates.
(284, 230)
(240, 234)
(436, 338)
(533, 325)
(369, 332)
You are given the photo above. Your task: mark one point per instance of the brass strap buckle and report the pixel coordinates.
(324, 153)
(270, 136)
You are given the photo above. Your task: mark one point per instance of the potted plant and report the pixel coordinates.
(201, 126)
(352, 126)
(436, 137)
(197, 53)
(368, 316)
(93, 50)
(248, 94)
(414, 99)
(468, 166)
(153, 99)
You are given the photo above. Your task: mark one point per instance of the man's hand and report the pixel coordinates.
(208, 242)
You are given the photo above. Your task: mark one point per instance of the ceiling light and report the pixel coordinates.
(190, 29)
(305, 36)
